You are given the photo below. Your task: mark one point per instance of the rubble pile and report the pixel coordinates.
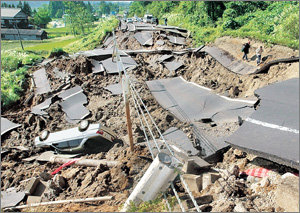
(221, 186)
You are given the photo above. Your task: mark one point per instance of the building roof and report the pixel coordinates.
(10, 12)
(22, 32)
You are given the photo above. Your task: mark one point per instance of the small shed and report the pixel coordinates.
(25, 34)
(9, 16)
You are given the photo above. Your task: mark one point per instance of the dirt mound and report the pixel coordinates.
(65, 72)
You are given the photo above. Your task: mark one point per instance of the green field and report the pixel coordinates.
(13, 59)
(42, 47)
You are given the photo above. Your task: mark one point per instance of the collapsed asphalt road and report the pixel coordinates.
(64, 73)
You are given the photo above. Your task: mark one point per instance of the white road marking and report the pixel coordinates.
(273, 126)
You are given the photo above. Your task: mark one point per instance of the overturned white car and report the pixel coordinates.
(87, 138)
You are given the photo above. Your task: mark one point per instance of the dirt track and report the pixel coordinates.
(109, 110)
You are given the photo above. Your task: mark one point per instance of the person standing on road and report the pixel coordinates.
(166, 21)
(245, 50)
(120, 23)
(258, 54)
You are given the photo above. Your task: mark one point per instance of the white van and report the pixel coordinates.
(147, 18)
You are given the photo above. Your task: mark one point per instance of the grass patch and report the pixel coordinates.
(95, 38)
(157, 205)
(46, 47)
(13, 74)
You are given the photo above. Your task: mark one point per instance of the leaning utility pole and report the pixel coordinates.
(125, 87)
(15, 25)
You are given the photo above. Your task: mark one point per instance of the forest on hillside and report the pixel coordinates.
(273, 22)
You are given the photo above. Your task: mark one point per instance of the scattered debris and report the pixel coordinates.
(7, 125)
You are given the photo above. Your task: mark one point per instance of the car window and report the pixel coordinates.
(68, 144)
(75, 143)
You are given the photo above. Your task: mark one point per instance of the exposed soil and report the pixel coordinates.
(119, 181)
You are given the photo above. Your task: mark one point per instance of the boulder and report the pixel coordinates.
(287, 194)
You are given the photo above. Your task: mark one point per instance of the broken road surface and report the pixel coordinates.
(272, 131)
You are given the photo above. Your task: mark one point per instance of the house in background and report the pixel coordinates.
(25, 34)
(10, 16)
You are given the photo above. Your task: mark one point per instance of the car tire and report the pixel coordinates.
(44, 135)
(83, 125)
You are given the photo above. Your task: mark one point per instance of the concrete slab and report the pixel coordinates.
(160, 42)
(41, 81)
(11, 198)
(181, 141)
(59, 74)
(145, 38)
(38, 109)
(70, 92)
(173, 65)
(73, 107)
(165, 58)
(176, 40)
(115, 89)
(99, 54)
(228, 61)
(97, 66)
(272, 131)
(191, 102)
(7, 125)
(111, 67)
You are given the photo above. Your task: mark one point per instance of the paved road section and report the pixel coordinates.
(272, 132)
(112, 68)
(41, 81)
(180, 140)
(144, 38)
(115, 89)
(173, 65)
(191, 102)
(229, 61)
(72, 104)
(7, 125)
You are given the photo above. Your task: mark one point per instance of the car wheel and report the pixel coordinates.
(83, 125)
(44, 135)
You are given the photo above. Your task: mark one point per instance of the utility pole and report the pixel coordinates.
(125, 87)
(15, 25)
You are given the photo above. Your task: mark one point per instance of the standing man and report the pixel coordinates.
(258, 54)
(166, 21)
(245, 50)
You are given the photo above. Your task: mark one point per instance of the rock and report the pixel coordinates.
(223, 206)
(59, 181)
(264, 182)
(45, 176)
(169, 118)
(31, 186)
(254, 187)
(287, 194)
(194, 182)
(209, 178)
(239, 207)
(239, 153)
(235, 171)
(30, 119)
(71, 173)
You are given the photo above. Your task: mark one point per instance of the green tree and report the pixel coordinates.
(54, 6)
(27, 9)
(77, 16)
(42, 17)
(20, 5)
